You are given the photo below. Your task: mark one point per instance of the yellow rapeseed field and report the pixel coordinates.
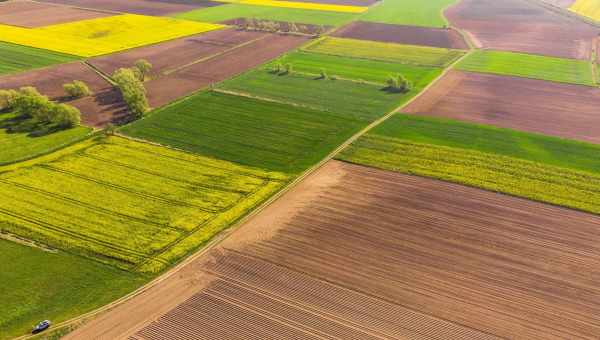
(300, 5)
(588, 8)
(88, 38)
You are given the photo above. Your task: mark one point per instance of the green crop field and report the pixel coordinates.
(253, 132)
(18, 146)
(542, 168)
(38, 284)
(529, 66)
(409, 12)
(396, 53)
(233, 11)
(357, 69)
(352, 99)
(132, 205)
(16, 58)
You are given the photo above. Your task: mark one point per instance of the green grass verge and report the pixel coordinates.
(19, 146)
(396, 53)
(357, 69)
(252, 132)
(409, 12)
(133, 205)
(232, 11)
(529, 66)
(16, 58)
(533, 166)
(37, 285)
(351, 99)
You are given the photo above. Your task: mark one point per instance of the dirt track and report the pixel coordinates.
(192, 78)
(560, 3)
(412, 35)
(146, 7)
(523, 26)
(563, 110)
(32, 14)
(359, 253)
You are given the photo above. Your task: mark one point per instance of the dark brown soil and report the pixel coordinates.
(284, 26)
(523, 26)
(185, 81)
(562, 110)
(146, 7)
(32, 14)
(412, 35)
(176, 53)
(102, 108)
(359, 253)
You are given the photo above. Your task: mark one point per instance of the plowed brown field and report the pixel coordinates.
(563, 110)
(560, 3)
(176, 53)
(189, 79)
(359, 253)
(146, 7)
(33, 14)
(412, 35)
(523, 26)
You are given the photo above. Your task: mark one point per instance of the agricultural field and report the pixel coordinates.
(88, 38)
(273, 136)
(523, 26)
(128, 204)
(32, 14)
(315, 6)
(400, 34)
(410, 12)
(529, 66)
(356, 69)
(558, 171)
(18, 146)
(37, 281)
(236, 10)
(550, 108)
(357, 100)
(144, 7)
(587, 8)
(396, 53)
(401, 263)
(17, 58)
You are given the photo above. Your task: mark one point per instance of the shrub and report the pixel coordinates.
(142, 68)
(399, 83)
(65, 116)
(287, 69)
(77, 89)
(132, 90)
(7, 98)
(323, 74)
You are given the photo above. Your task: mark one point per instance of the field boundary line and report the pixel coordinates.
(100, 73)
(79, 7)
(220, 237)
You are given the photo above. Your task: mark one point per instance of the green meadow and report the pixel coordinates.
(409, 12)
(16, 58)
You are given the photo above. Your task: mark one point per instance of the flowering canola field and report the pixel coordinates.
(88, 38)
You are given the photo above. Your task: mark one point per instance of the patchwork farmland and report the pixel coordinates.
(259, 169)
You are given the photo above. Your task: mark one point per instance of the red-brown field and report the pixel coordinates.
(359, 253)
(563, 110)
(146, 7)
(187, 80)
(176, 53)
(33, 14)
(105, 106)
(523, 26)
(412, 35)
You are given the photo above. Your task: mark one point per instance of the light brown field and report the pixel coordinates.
(31, 14)
(359, 253)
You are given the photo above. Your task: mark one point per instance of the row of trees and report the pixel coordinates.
(37, 111)
(253, 24)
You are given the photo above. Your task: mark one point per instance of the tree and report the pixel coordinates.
(399, 83)
(287, 69)
(142, 69)
(132, 90)
(7, 98)
(29, 103)
(323, 74)
(77, 89)
(292, 28)
(65, 116)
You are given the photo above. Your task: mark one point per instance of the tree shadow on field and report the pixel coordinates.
(16, 124)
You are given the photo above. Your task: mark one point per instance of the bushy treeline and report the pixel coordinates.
(36, 111)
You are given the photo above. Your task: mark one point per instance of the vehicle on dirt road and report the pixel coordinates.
(40, 327)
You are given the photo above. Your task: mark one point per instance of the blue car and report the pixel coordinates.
(42, 326)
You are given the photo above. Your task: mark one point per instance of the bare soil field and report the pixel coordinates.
(104, 107)
(187, 80)
(49, 81)
(550, 108)
(359, 253)
(33, 14)
(145, 7)
(176, 53)
(411, 35)
(560, 3)
(523, 26)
